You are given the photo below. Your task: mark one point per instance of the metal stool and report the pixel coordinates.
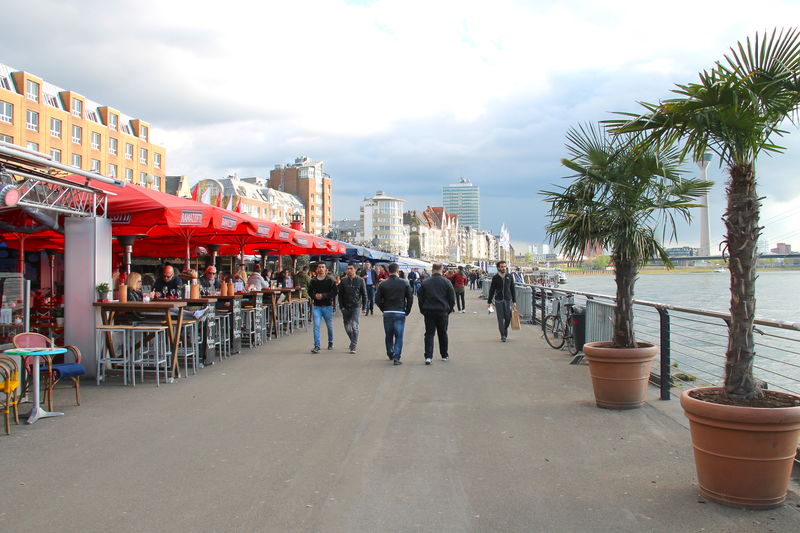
(249, 333)
(107, 355)
(223, 323)
(300, 313)
(149, 349)
(189, 347)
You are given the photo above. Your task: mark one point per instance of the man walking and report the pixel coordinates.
(459, 281)
(370, 278)
(322, 291)
(436, 301)
(395, 299)
(352, 298)
(505, 296)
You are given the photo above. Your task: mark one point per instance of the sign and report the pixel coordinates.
(263, 229)
(228, 223)
(191, 217)
(301, 241)
(284, 234)
(121, 219)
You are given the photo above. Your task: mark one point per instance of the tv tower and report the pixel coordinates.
(705, 249)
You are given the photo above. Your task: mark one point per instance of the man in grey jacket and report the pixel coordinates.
(352, 298)
(437, 298)
(395, 298)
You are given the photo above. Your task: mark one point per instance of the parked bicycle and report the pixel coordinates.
(558, 325)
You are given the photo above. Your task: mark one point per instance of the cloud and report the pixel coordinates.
(405, 96)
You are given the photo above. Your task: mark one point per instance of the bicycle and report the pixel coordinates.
(557, 326)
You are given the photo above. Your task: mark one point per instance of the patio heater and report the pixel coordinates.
(214, 249)
(51, 259)
(126, 241)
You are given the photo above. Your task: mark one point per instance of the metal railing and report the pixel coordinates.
(692, 341)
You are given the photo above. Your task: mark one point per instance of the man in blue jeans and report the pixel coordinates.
(395, 299)
(370, 278)
(322, 292)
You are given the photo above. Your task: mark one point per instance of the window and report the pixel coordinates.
(4, 84)
(6, 112)
(55, 128)
(77, 133)
(31, 120)
(112, 170)
(113, 121)
(32, 146)
(91, 115)
(55, 154)
(95, 165)
(112, 146)
(143, 133)
(128, 151)
(157, 183)
(51, 100)
(6, 138)
(77, 108)
(129, 175)
(32, 90)
(76, 160)
(157, 160)
(126, 129)
(143, 156)
(95, 140)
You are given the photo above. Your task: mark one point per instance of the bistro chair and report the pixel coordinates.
(9, 387)
(54, 372)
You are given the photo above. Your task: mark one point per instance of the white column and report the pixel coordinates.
(705, 246)
(87, 262)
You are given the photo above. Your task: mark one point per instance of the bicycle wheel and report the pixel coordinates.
(569, 339)
(554, 331)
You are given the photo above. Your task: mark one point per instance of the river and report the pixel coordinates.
(697, 347)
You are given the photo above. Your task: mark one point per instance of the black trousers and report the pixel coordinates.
(460, 299)
(436, 324)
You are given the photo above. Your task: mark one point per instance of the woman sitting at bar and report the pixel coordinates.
(240, 280)
(135, 288)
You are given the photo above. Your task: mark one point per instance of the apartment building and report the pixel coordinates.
(77, 131)
(464, 200)
(307, 180)
(382, 217)
(250, 196)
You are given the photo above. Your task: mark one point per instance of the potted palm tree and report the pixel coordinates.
(620, 199)
(745, 437)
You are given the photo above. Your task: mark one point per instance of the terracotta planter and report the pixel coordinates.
(743, 455)
(619, 375)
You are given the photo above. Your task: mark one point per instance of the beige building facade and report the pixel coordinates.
(74, 130)
(307, 180)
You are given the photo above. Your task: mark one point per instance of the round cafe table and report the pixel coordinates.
(37, 412)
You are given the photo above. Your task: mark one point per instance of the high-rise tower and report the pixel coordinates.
(463, 199)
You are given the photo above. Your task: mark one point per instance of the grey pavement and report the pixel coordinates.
(503, 438)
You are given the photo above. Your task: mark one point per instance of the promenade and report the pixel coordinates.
(503, 438)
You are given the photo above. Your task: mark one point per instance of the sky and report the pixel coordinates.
(403, 96)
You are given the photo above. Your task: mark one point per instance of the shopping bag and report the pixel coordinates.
(514, 319)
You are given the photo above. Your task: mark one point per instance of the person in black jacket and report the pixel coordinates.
(322, 291)
(504, 294)
(352, 298)
(395, 299)
(437, 298)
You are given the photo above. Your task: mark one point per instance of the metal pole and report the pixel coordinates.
(666, 375)
(26, 306)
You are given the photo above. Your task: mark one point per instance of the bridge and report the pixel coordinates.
(504, 437)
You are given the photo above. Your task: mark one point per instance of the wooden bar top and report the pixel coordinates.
(140, 306)
(234, 297)
(189, 301)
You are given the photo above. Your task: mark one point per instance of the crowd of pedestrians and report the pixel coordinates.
(439, 293)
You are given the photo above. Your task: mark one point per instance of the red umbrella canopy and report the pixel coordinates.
(19, 229)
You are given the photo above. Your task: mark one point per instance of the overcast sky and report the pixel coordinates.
(404, 96)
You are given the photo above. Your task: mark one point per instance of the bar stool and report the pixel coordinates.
(261, 321)
(106, 354)
(153, 352)
(300, 313)
(249, 329)
(223, 327)
(189, 347)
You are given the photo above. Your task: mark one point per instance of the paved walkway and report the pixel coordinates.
(503, 438)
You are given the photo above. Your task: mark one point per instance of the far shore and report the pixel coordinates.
(662, 270)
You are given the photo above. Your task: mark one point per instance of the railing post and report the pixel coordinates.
(666, 372)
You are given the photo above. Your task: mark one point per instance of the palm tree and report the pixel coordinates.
(618, 199)
(736, 110)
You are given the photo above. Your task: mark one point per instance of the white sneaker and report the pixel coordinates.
(428, 361)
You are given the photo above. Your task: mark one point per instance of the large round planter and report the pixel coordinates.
(743, 455)
(619, 375)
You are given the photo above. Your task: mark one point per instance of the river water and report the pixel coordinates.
(699, 348)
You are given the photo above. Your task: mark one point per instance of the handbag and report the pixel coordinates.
(515, 319)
